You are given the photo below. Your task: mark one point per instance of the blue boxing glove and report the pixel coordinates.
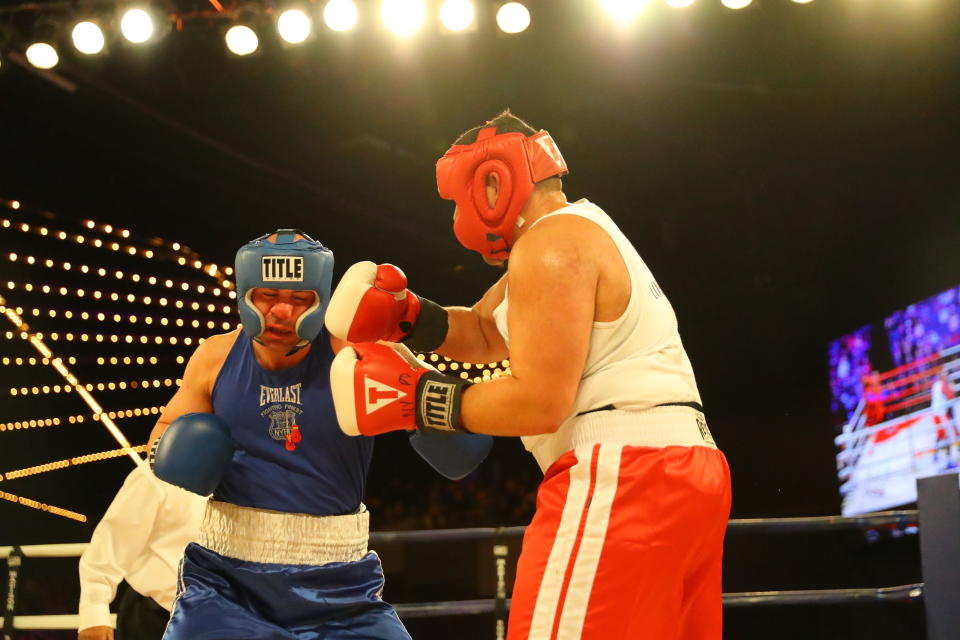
(193, 453)
(452, 454)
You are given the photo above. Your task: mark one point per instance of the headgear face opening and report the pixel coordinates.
(284, 262)
(519, 161)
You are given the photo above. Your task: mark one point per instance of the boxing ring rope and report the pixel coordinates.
(902, 593)
(895, 594)
(481, 534)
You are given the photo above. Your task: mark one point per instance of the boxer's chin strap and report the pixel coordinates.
(300, 345)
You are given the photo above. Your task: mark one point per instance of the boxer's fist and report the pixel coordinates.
(372, 303)
(96, 633)
(376, 390)
(452, 455)
(193, 452)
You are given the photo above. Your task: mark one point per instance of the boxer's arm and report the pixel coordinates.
(194, 394)
(553, 286)
(472, 335)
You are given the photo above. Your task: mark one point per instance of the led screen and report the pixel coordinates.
(894, 388)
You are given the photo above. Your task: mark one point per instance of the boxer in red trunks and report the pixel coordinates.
(628, 534)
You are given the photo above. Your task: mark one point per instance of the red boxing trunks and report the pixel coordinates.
(626, 542)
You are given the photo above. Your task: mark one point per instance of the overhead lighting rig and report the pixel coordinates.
(45, 32)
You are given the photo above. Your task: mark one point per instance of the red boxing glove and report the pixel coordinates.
(372, 303)
(376, 390)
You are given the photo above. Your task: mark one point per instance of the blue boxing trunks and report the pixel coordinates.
(268, 575)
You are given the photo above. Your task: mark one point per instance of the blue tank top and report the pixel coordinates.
(325, 473)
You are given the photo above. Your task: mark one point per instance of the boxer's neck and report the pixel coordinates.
(539, 205)
(275, 358)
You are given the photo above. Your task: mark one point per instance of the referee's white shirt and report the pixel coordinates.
(140, 539)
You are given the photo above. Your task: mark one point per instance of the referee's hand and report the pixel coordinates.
(96, 633)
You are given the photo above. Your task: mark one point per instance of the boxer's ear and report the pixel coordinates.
(493, 189)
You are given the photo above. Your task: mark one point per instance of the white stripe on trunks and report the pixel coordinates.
(591, 543)
(548, 595)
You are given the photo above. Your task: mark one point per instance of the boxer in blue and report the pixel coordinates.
(282, 552)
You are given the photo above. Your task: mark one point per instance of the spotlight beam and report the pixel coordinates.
(57, 364)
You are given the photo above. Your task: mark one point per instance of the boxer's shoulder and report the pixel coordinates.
(209, 356)
(217, 347)
(559, 243)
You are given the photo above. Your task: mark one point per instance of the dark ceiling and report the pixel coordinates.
(789, 172)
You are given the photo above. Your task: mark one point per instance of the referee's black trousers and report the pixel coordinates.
(140, 617)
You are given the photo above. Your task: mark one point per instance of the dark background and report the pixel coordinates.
(789, 173)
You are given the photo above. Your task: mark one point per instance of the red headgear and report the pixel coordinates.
(519, 161)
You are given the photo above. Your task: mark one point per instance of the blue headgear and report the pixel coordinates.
(284, 262)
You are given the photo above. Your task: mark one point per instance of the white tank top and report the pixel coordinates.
(635, 362)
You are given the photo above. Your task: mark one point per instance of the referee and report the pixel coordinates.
(140, 539)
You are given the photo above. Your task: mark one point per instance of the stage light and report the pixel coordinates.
(403, 17)
(42, 51)
(137, 26)
(42, 55)
(803, 1)
(294, 26)
(88, 38)
(513, 17)
(340, 15)
(735, 4)
(241, 40)
(624, 11)
(457, 15)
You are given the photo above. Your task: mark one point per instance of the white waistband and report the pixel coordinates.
(259, 535)
(655, 427)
